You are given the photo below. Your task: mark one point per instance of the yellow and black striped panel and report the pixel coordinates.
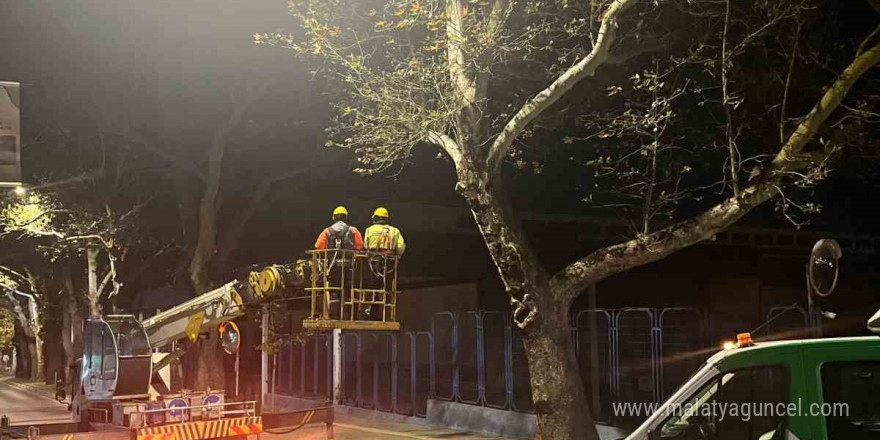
(217, 428)
(245, 426)
(201, 430)
(179, 431)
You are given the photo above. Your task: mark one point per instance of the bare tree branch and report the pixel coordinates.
(465, 86)
(447, 144)
(234, 232)
(543, 100)
(829, 102)
(210, 202)
(615, 259)
(787, 86)
(726, 104)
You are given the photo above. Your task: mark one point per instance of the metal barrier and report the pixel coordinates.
(405, 380)
(471, 388)
(636, 349)
(682, 346)
(497, 361)
(593, 332)
(636, 355)
(385, 371)
(351, 369)
(789, 322)
(444, 328)
(521, 399)
(425, 372)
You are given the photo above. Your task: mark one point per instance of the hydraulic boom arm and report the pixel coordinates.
(221, 304)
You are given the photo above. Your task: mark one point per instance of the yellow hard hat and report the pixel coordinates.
(340, 210)
(380, 212)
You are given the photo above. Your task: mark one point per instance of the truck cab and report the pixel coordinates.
(117, 361)
(820, 389)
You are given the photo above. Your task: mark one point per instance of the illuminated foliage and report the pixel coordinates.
(32, 214)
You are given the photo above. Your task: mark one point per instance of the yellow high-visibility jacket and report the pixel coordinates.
(387, 238)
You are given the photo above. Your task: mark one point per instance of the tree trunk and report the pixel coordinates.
(557, 390)
(209, 367)
(34, 349)
(37, 373)
(199, 267)
(209, 364)
(23, 353)
(92, 260)
(71, 327)
(30, 341)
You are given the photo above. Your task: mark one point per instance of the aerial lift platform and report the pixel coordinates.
(364, 284)
(346, 289)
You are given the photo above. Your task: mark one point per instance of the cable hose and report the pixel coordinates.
(286, 431)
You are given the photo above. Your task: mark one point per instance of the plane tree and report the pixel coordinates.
(662, 102)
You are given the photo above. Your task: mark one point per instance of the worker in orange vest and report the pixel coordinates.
(340, 235)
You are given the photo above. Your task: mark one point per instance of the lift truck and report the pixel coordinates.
(119, 388)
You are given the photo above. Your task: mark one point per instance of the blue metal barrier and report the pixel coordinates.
(469, 370)
(597, 373)
(789, 322)
(351, 368)
(497, 361)
(384, 385)
(521, 400)
(406, 373)
(444, 374)
(625, 356)
(682, 346)
(424, 351)
(636, 355)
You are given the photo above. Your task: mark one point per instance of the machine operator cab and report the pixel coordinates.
(117, 363)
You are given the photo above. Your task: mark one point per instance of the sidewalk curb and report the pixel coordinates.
(31, 389)
(391, 433)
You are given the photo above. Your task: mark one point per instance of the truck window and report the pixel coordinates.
(95, 348)
(852, 400)
(737, 405)
(108, 370)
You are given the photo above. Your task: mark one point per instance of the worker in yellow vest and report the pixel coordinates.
(382, 237)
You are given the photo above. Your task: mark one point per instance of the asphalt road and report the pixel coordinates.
(24, 407)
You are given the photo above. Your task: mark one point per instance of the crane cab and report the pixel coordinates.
(116, 362)
(351, 290)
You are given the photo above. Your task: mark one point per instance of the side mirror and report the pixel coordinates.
(824, 266)
(874, 323)
(230, 337)
(705, 425)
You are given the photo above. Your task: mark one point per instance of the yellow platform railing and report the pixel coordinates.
(358, 282)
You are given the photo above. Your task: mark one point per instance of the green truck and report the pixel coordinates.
(816, 389)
